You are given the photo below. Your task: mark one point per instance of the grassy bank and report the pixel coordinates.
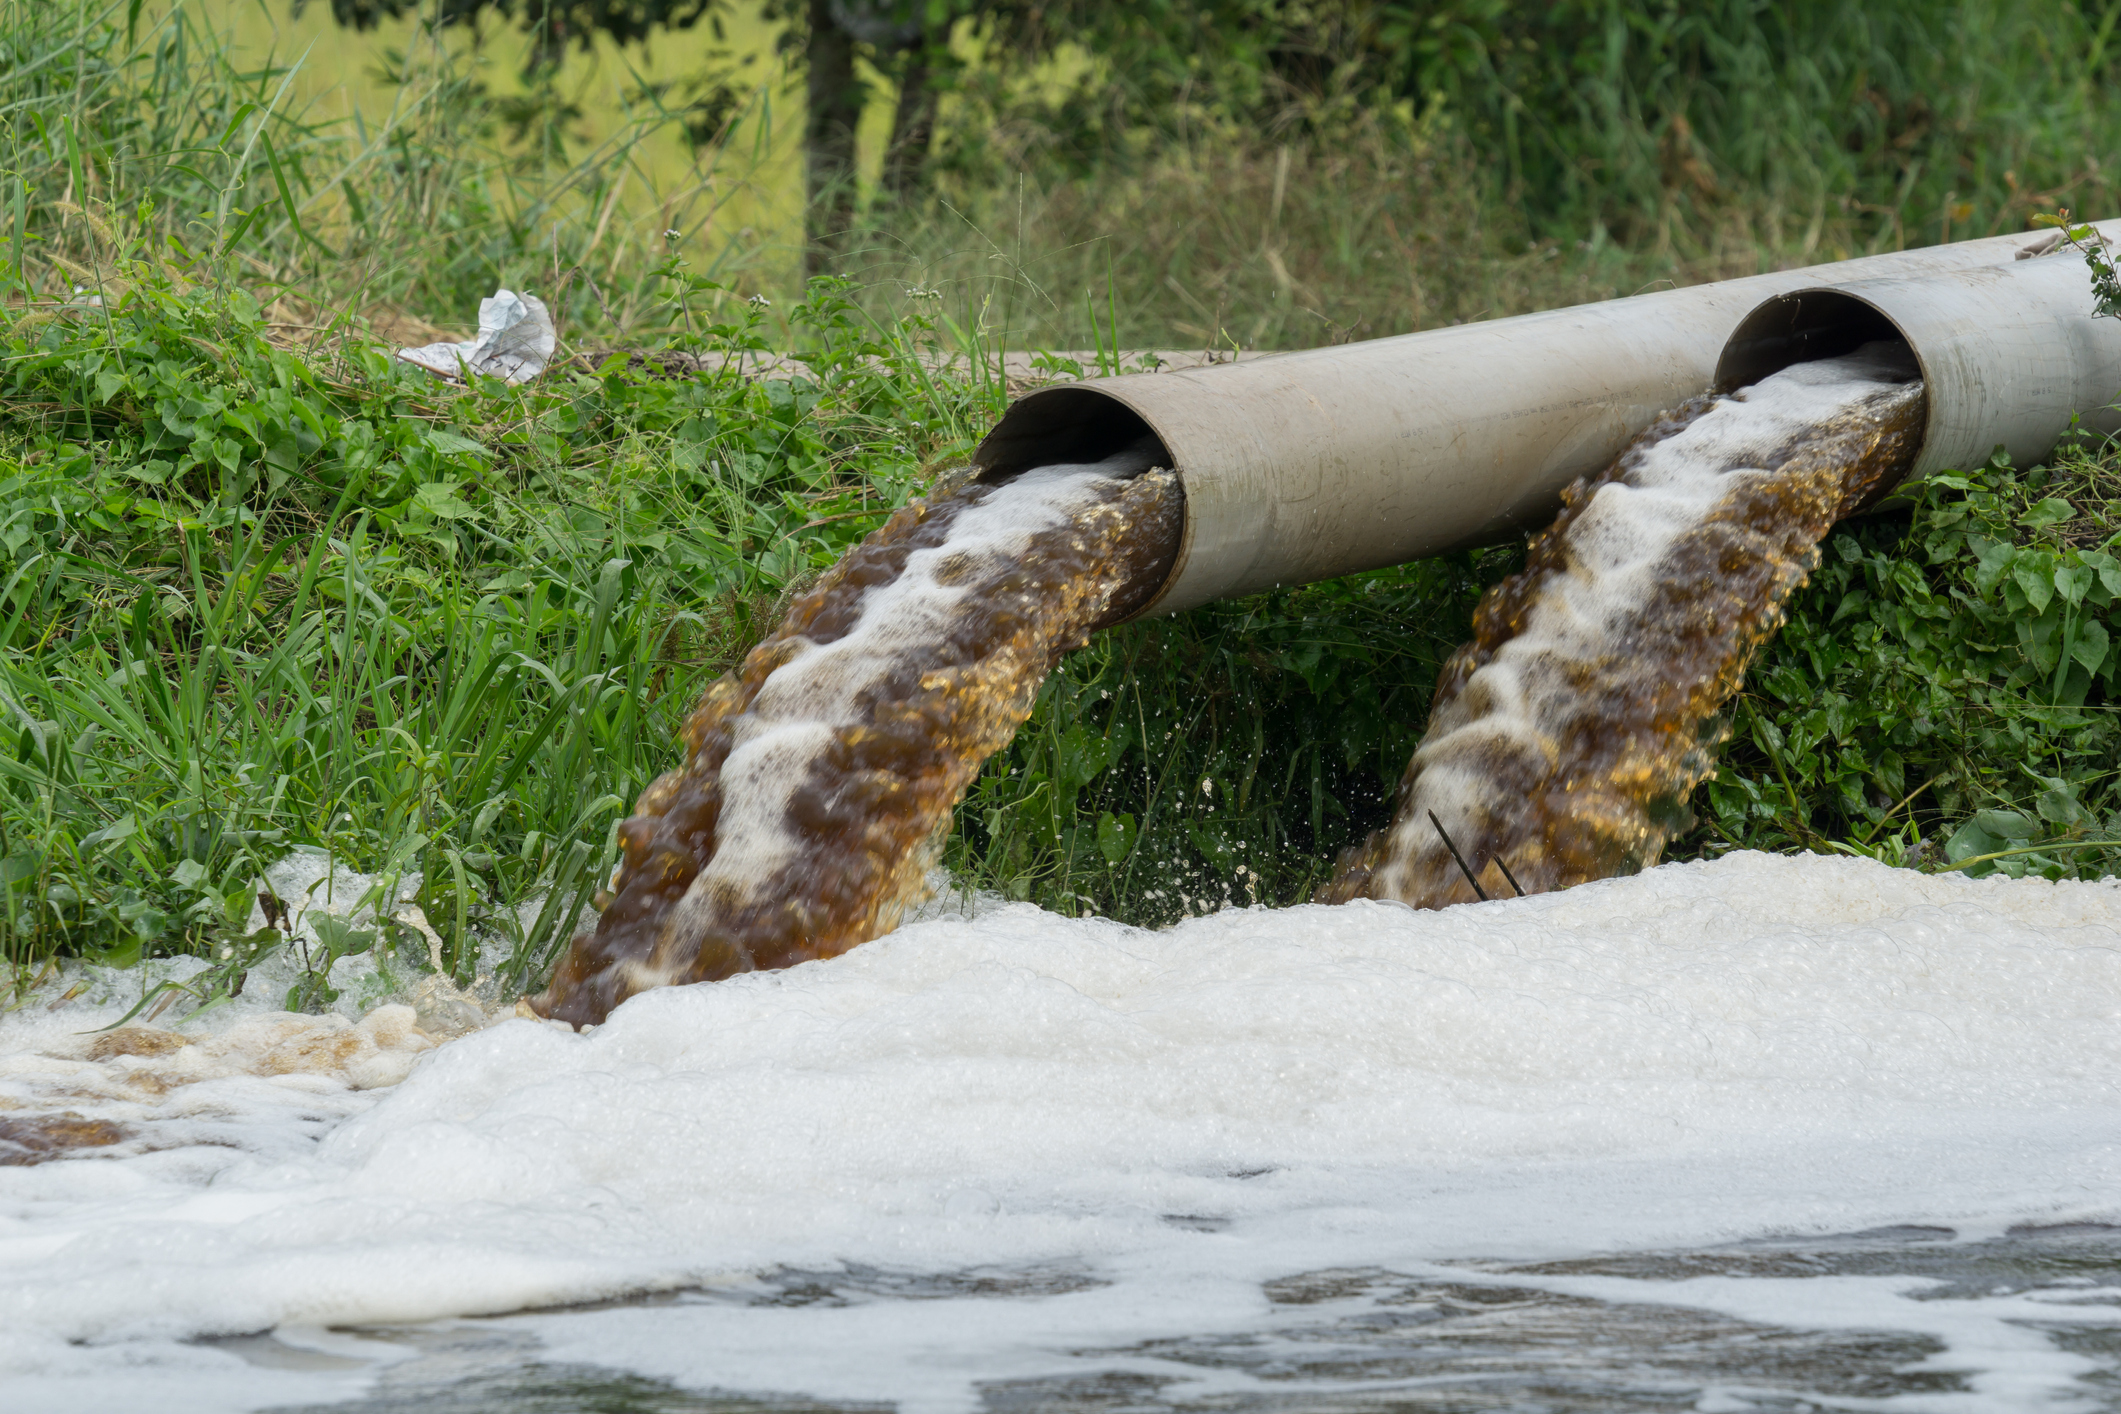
(262, 587)
(257, 597)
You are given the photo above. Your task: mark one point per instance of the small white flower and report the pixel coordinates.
(673, 234)
(759, 302)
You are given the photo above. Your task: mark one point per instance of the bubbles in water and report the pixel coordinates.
(1149, 1145)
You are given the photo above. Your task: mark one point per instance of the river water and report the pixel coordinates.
(1764, 1133)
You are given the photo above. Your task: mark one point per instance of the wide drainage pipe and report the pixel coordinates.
(1312, 465)
(2011, 355)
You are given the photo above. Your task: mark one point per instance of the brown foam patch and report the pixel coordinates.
(136, 1041)
(37, 1139)
(125, 1092)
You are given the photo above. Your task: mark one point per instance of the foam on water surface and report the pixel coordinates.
(1145, 1132)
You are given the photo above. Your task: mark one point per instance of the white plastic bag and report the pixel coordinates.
(516, 340)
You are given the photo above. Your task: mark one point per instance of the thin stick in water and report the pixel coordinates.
(1478, 892)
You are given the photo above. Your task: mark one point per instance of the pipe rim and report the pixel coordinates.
(1803, 326)
(1008, 451)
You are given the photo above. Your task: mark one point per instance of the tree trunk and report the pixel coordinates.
(828, 138)
(912, 125)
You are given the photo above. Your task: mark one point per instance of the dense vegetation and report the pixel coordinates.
(262, 586)
(1646, 121)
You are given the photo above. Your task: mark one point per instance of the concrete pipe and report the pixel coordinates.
(1307, 466)
(2010, 354)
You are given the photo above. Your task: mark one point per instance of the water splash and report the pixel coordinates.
(819, 778)
(1565, 738)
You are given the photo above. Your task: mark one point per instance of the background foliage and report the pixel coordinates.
(1630, 114)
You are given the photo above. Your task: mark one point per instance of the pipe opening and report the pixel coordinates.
(1061, 425)
(1800, 328)
(1805, 327)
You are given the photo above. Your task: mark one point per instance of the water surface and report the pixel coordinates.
(1750, 1134)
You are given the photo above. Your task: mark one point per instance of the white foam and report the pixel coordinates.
(1701, 1053)
(311, 884)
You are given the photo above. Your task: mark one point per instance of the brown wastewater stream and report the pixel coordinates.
(819, 777)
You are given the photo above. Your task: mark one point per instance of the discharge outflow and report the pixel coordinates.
(819, 777)
(1565, 739)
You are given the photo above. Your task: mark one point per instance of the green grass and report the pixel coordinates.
(262, 587)
(1945, 688)
(254, 599)
(1535, 156)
